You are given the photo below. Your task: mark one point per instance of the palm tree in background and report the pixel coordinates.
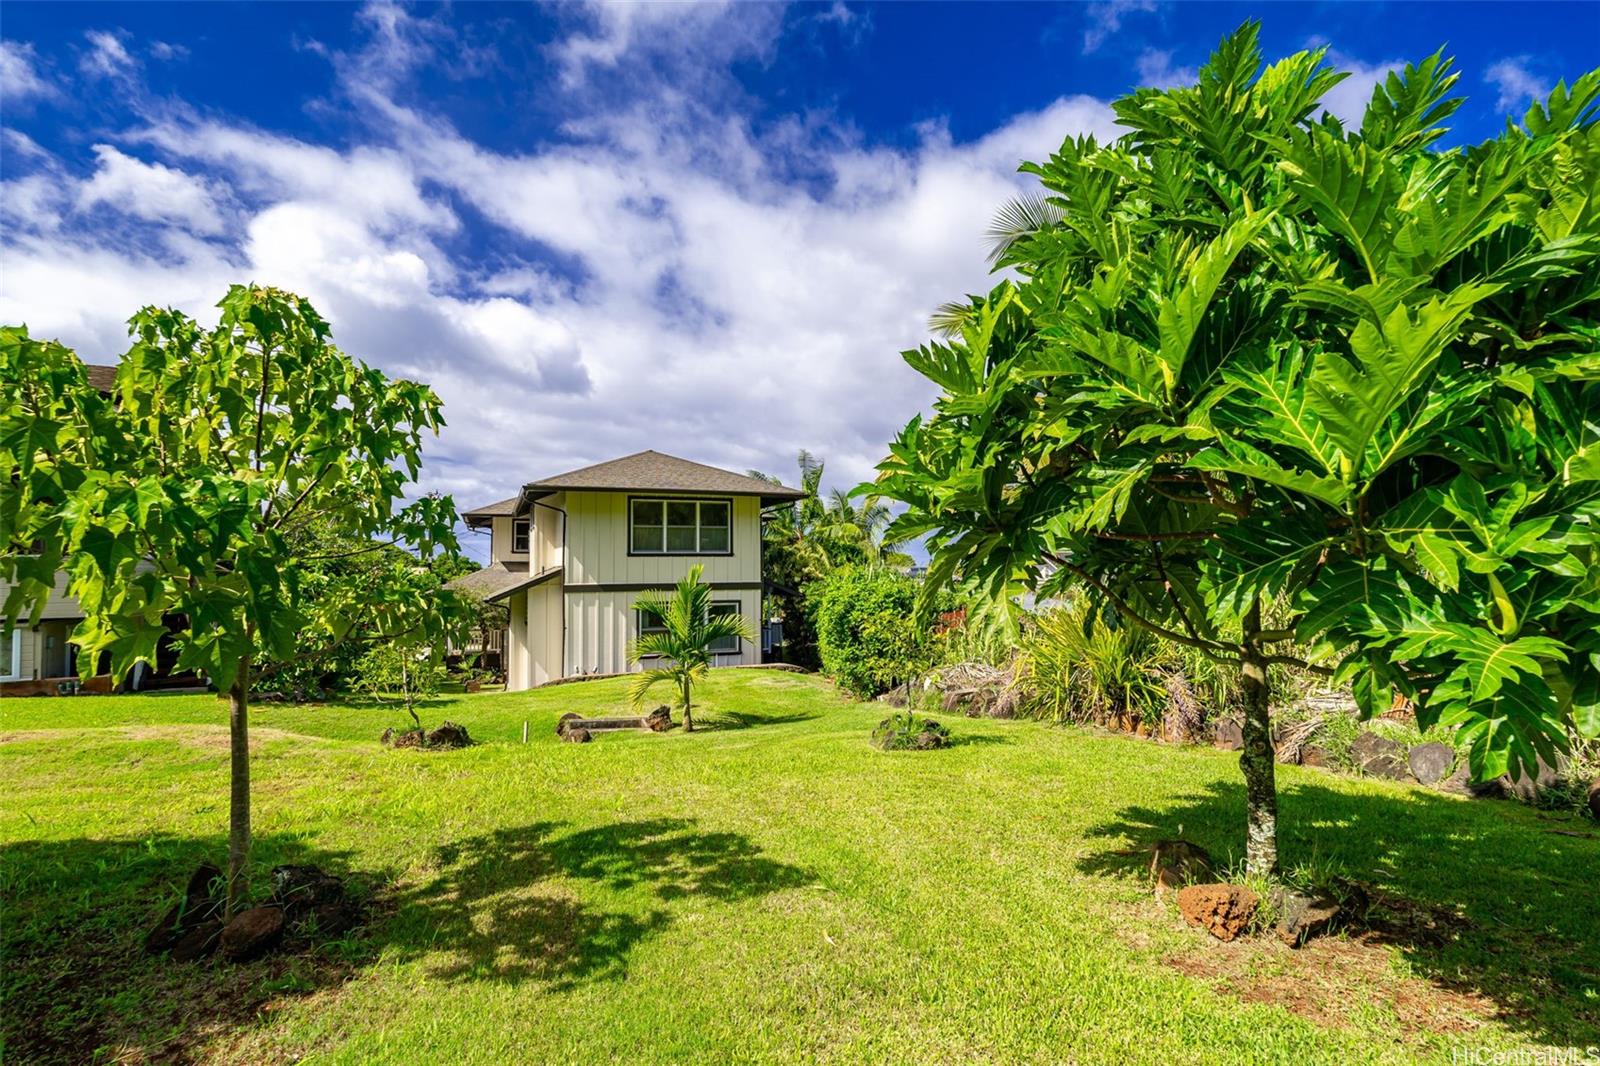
(830, 530)
(683, 643)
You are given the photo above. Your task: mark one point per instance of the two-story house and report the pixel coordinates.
(570, 554)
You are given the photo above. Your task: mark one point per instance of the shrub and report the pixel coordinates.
(905, 731)
(868, 633)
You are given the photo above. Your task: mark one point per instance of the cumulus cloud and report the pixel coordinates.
(1516, 82)
(151, 191)
(20, 79)
(1348, 100)
(660, 278)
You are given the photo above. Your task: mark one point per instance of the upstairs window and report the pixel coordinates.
(519, 535)
(680, 527)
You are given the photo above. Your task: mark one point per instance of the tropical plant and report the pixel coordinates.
(184, 494)
(403, 671)
(1074, 670)
(683, 644)
(1263, 357)
(867, 628)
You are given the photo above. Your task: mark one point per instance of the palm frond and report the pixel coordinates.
(1018, 219)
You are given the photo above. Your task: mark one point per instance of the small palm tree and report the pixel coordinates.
(684, 642)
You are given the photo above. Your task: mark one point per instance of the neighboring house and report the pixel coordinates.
(40, 658)
(570, 554)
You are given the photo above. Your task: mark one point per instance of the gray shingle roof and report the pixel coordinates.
(647, 471)
(101, 378)
(651, 471)
(499, 580)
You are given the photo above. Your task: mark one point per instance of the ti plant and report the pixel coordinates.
(1255, 362)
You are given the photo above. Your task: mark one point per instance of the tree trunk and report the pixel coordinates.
(239, 793)
(688, 716)
(1257, 757)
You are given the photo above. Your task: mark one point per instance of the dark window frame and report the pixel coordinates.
(525, 526)
(738, 642)
(665, 501)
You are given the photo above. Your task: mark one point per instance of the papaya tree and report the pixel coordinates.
(1286, 391)
(186, 495)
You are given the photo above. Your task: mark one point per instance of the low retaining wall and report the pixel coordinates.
(58, 686)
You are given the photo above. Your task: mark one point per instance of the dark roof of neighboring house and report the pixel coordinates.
(647, 471)
(101, 378)
(499, 580)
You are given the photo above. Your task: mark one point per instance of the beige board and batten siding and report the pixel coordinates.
(544, 536)
(600, 626)
(60, 607)
(600, 619)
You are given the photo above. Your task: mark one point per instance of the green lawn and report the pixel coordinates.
(767, 889)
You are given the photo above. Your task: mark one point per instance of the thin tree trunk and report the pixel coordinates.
(688, 716)
(1257, 757)
(239, 792)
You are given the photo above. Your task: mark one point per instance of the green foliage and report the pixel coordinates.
(868, 631)
(805, 539)
(1252, 356)
(905, 731)
(1073, 669)
(193, 493)
(402, 672)
(682, 649)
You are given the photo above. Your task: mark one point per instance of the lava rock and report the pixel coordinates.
(327, 921)
(1176, 863)
(577, 735)
(299, 887)
(202, 901)
(198, 942)
(1528, 787)
(564, 723)
(1430, 762)
(1594, 798)
(1462, 784)
(1378, 756)
(1224, 911)
(1302, 916)
(1228, 735)
(659, 720)
(251, 933)
(1313, 755)
(449, 735)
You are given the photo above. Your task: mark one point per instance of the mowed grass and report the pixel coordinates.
(767, 889)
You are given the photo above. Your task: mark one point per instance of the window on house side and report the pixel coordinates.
(727, 644)
(519, 535)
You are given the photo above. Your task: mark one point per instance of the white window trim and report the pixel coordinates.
(14, 667)
(700, 527)
(738, 642)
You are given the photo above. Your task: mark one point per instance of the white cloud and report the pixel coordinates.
(167, 51)
(1348, 100)
(1105, 19)
(660, 280)
(107, 56)
(19, 74)
(1156, 70)
(1517, 84)
(151, 191)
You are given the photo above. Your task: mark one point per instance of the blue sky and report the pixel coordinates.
(594, 229)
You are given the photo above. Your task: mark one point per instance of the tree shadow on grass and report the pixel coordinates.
(506, 906)
(1484, 897)
(720, 720)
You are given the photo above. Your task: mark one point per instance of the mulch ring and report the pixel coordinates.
(447, 736)
(1329, 978)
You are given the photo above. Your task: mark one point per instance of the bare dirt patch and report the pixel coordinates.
(1326, 980)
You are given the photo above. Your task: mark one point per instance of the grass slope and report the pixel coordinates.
(767, 889)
